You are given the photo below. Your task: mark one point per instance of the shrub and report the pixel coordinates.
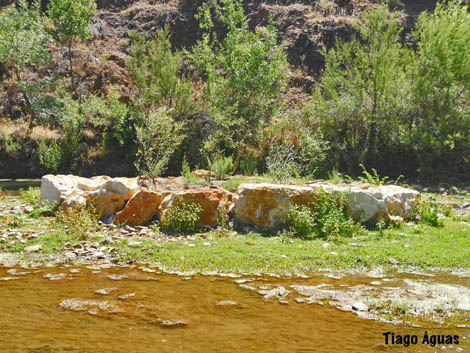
(363, 94)
(222, 166)
(156, 73)
(425, 212)
(189, 177)
(9, 145)
(110, 116)
(331, 214)
(31, 195)
(249, 165)
(327, 216)
(49, 155)
(301, 220)
(439, 132)
(281, 162)
(23, 44)
(157, 139)
(373, 178)
(182, 217)
(78, 221)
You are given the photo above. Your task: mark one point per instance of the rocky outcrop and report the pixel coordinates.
(110, 197)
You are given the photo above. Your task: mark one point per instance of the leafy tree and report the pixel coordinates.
(439, 131)
(246, 71)
(363, 94)
(71, 19)
(22, 42)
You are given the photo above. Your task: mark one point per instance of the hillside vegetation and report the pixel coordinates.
(293, 88)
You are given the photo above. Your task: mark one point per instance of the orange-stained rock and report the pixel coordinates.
(214, 202)
(112, 195)
(141, 208)
(267, 205)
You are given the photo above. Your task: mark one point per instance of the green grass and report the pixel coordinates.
(425, 247)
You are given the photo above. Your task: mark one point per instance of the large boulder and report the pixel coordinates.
(215, 203)
(141, 208)
(266, 205)
(60, 188)
(110, 197)
(370, 203)
(107, 194)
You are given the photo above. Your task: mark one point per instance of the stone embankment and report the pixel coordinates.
(136, 201)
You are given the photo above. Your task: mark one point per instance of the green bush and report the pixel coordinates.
(327, 216)
(189, 177)
(31, 195)
(71, 20)
(439, 132)
(182, 217)
(301, 220)
(9, 145)
(249, 165)
(281, 162)
(331, 214)
(222, 166)
(245, 71)
(425, 212)
(78, 221)
(23, 47)
(156, 69)
(373, 178)
(157, 139)
(50, 155)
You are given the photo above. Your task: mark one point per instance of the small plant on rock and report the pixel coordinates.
(182, 217)
(77, 221)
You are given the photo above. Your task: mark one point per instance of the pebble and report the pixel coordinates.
(359, 306)
(33, 248)
(126, 296)
(226, 302)
(105, 291)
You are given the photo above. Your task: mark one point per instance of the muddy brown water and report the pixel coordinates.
(59, 310)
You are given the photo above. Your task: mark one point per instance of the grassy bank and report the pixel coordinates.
(224, 250)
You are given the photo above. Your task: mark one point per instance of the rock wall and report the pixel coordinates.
(262, 206)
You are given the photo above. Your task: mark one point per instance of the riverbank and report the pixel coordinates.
(33, 232)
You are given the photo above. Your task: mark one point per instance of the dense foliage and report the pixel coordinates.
(222, 104)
